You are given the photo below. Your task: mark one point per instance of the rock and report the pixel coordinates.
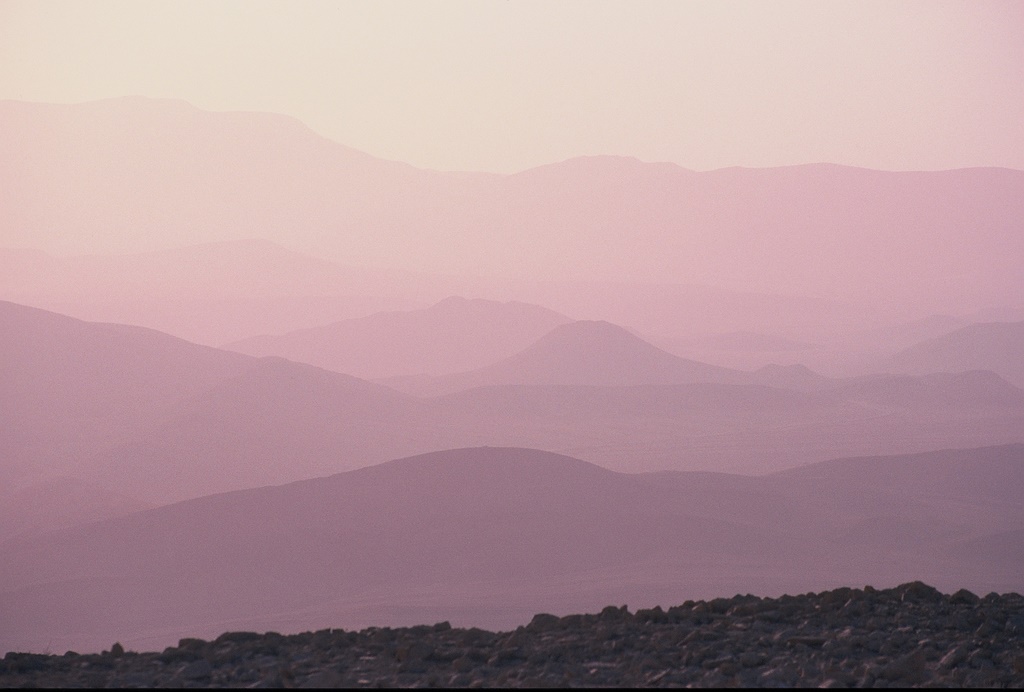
(752, 659)
(196, 670)
(271, 682)
(417, 651)
(897, 637)
(953, 658)
(543, 622)
(238, 637)
(963, 597)
(920, 592)
(324, 679)
(611, 613)
(908, 670)
(143, 679)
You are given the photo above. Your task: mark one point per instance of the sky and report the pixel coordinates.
(505, 85)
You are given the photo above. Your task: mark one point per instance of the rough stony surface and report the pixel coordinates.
(911, 635)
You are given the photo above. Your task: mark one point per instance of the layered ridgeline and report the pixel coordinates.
(453, 335)
(216, 293)
(138, 415)
(160, 419)
(489, 536)
(100, 176)
(209, 293)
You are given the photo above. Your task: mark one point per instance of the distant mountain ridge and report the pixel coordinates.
(209, 293)
(588, 352)
(124, 169)
(160, 419)
(995, 346)
(453, 335)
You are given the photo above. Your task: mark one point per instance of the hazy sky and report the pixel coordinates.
(503, 85)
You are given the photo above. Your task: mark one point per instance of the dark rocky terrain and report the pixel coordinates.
(911, 635)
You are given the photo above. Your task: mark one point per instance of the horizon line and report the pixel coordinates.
(549, 164)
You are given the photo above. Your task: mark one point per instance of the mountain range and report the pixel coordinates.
(102, 176)
(254, 379)
(995, 346)
(453, 335)
(159, 419)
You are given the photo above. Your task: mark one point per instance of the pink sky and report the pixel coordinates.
(504, 85)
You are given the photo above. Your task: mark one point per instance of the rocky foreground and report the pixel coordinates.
(911, 635)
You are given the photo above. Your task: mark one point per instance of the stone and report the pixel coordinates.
(909, 670)
(196, 670)
(324, 679)
(899, 637)
(963, 597)
(238, 637)
(137, 680)
(542, 622)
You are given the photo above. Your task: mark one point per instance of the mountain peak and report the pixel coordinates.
(589, 352)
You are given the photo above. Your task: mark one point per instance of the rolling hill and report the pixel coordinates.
(489, 536)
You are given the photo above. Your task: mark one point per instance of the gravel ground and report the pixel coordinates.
(911, 635)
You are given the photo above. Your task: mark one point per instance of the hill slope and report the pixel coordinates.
(487, 534)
